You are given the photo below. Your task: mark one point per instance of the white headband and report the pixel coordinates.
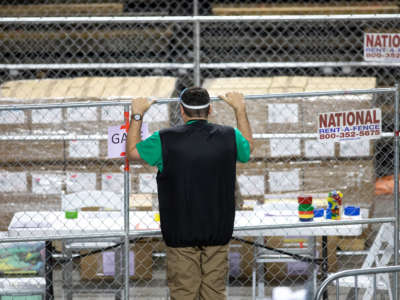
(192, 106)
(195, 107)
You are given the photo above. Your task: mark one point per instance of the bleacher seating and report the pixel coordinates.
(348, 7)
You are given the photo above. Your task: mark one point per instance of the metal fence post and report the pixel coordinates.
(126, 213)
(196, 50)
(396, 188)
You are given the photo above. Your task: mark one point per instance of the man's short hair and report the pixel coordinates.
(195, 96)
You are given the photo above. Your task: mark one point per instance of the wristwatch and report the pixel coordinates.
(136, 117)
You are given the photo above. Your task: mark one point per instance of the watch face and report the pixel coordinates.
(137, 117)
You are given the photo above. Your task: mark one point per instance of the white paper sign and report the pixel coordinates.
(116, 141)
(382, 46)
(12, 117)
(80, 181)
(109, 263)
(82, 114)
(283, 113)
(46, 183)
(349, 125)
(46, 116)
(314, 148)
(13, 182)
(251, 184)
(113, 182)
(284, 147)
(147, 183)
(355, 148)
(281, 181)
(112, 113)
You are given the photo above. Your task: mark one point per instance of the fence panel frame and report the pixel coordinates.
(126, 233)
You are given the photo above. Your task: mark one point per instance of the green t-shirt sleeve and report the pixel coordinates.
(150, 150)
(242, 147)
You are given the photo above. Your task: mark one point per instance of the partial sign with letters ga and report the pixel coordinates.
(350, 125)
(117, 137)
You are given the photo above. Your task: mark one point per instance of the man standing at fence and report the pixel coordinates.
(196, 181)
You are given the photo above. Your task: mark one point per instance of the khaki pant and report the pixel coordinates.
(195, 272)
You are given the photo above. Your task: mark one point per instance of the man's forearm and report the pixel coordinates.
(243, 125)
(134, 138)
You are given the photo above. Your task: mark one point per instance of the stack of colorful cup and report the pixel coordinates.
(306, 210)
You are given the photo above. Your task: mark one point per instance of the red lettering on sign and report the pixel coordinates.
(359, 117)
(368, 118)
(350, 118)
(370, 40)
(378, 41)
(338, 115)
(332, 121)
(322, 120)
(384, 37)
(396, 41)
(374, 117)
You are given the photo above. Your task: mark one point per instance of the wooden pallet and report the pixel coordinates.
(94, 34)
(104, 9)
(313, 9)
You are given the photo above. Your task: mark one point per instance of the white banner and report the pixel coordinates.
(350, 125)
(382, 46)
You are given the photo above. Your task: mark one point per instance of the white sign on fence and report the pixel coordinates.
(117, 136)
(382, 46)
(350, 125)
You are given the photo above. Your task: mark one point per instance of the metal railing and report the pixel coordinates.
(355, 273)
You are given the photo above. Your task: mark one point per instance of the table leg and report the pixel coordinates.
(49, 266)
(260, 292)
(118, 271)
(324, 266)
(67, 274)
(313, 269)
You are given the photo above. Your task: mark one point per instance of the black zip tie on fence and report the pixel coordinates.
(317, 261)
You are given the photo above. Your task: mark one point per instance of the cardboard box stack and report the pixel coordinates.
(282, 168)
(37, 172)
(101, 266)
(76, 120)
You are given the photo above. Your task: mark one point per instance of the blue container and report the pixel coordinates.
(352, 211)
(318, 213)
(328, 214)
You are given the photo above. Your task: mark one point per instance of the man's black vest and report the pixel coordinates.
(196, 186)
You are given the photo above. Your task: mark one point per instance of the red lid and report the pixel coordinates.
(304, 199)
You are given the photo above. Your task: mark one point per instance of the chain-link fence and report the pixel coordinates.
(108, 50)
(60, 187)
(193, 48)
